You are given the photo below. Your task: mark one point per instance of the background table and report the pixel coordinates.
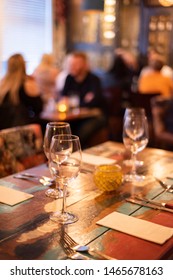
(77, 114)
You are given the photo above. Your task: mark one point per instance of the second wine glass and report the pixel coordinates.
(135, 138)
(54, 128)
(65, 162)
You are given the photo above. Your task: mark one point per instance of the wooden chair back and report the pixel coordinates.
(114, 101)
(143, 101)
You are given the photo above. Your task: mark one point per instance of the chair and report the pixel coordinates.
(20, 148)
(115, 106)
(143, 100)
(162, 113)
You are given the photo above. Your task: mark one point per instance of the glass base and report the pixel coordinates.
(55, 193)
(129, 162)
(65, 218)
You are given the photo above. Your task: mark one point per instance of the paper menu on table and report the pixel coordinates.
(137, 227)
(96, 160)
(12, 197)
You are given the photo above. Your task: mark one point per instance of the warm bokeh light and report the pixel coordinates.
(109, 34)
(63, 105)
(110, 2)
(62, 108)
(166, 3)
(109, 18)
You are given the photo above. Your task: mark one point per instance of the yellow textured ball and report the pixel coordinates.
(108, 177)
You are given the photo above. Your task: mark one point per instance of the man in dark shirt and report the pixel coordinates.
(82, 82)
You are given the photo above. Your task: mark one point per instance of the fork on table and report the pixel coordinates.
(71, 254)
(71, 247)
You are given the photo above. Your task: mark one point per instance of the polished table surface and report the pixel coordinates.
(26, 231)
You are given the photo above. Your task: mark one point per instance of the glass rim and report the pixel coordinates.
(135, 107)
(58, 123)
(110, 168)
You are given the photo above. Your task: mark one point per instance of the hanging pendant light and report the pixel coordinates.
(166, 3)
(92, 5)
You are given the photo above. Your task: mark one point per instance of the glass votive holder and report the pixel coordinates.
(108, 178)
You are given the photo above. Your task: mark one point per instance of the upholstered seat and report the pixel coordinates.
(162, 112)
(20, 148)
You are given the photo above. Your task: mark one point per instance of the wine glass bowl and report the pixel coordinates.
(54, 128)
(134, 129)
(65, 161)
(135, 137)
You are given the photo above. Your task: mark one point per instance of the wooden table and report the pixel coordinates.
(77, 114)
(26, 231)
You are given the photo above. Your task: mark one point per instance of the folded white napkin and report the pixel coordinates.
(137, 227)
(11, 197)
(96, 160)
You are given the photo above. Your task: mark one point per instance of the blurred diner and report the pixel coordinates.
(45, 75)
(20, 99)
(154, 81)
(152, 54)
(120, 72)
(81, 81)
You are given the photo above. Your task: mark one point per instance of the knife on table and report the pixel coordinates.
(135, 201)
(161, 204)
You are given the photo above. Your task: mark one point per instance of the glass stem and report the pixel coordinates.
(133, 164)
(64, 198)
(57, 186)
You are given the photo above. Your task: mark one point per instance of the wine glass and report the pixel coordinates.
(65, 161)
(135, 138)
(54, 128)
(129, 162)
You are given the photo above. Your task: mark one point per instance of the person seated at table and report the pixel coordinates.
(82, 82)
(152, 54)
(154, 81)
(20, 100)
(45, 75)
(119, 74)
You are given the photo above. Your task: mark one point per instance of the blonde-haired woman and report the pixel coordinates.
(45, 75)
(20, 101)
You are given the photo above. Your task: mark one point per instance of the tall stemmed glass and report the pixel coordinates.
(54, 128)
(135, 138)
(65, 161)
(129, 162)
